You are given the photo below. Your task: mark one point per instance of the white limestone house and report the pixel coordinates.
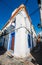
(18, 39)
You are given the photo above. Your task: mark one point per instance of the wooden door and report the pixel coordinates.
(12, 46)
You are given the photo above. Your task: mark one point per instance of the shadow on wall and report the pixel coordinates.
(37, 54)
(2, 50)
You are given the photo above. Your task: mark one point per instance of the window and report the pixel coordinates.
(29, 43)
(14, 22)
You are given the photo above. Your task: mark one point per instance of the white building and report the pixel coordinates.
(19, 39)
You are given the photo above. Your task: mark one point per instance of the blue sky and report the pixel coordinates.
(7, 7)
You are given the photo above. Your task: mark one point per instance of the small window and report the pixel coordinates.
(14, 23)
(14, 20)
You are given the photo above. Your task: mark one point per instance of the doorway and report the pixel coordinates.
(13, 41)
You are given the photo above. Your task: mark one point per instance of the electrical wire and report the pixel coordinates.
(35, 11)
(24, 4)
(13, 30)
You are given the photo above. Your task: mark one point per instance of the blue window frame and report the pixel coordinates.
(13, 34)
(29, 41)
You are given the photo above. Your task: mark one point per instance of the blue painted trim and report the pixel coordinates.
(13, 34)
(29, 43)
(9, 42)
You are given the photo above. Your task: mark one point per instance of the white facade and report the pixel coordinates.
(23, 39)
(21, 43)
(34, 36)
(6, 38)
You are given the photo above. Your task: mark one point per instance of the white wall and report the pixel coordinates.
(34, 35)
(6, 41)
(20, 22)
(21, 43)
(27, 20)
(21, 35)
